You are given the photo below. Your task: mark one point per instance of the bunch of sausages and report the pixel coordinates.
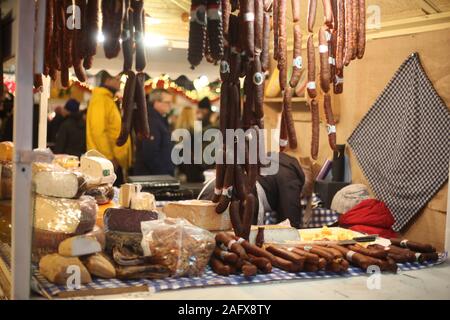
(206, 30)
(246, 36)
(288, 134)
(71, 35)
(342, 38)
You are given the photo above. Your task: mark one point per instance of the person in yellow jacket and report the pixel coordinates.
(103, 125)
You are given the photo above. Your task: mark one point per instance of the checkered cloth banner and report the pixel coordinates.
(209, 279)
(402, 143)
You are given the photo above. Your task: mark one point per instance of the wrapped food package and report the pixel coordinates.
(67, 161)
(6, 151)
(143, 201)
(74, 216)
(59, 184)
(102, 194)
(200, 213)
(126, 220)
(5, 180)
(177, 244)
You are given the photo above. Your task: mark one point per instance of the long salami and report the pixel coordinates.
(197, 32)
(331, 124)
(349, 45)
(311, 86)
(282, 43)
(141, 104)
(90, 32)
(112, 12)
(215, 29)
(361, 29)
(287, 110)
(139, 26)
(265, 57)
(328, 13)
(248, 17)
(324, 60)
(340, 42)
(275, 28)
(315, 123)
(128, 37)
(312, 7)
(127, 106)
(355, 26)
(297, 63)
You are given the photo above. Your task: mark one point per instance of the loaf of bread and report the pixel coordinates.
(100, 266)
(55, 268)
(6, 151)
(60, 184)
(126, 220)
(79, 246)
(71, 216)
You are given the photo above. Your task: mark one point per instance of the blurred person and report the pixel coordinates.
(103, 125)
(153, 155)
(6, 128)
(54, 125)
(204, 112)
(71, 136)
(193, 172)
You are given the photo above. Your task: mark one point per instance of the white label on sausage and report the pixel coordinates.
(331, 129)
(339, 80)
(249, 17)
(199, 15)
(227, 192)
(332, 61)
(258, 78)
(417, 256)
(217, 192)
(307, 248)
(311, 85)
(328, 35)
(224, 67)
(241, 240)
(298, 62)
(349, 255)
(223, 247)
(283, 143)
(223, 253)
(231, 243)
(323, 48)
(404, 244)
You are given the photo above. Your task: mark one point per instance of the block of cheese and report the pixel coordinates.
(79, 246)
(5, 180)
(201, 213)
(126, 220)
(97, 170)
(55, 268)
(126, 193)
(6, 151)
(67, 161)
(47, 242)
(100, 266)
(102, 194)
(276, 234)
(143, 201)
(130, 240)
(73, 216)
(60, 184)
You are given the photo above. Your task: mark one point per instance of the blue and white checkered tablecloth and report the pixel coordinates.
(207, 280)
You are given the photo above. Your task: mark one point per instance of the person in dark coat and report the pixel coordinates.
(71, 136)
(279, 195)
(153, 156)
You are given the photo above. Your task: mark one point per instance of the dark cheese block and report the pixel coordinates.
(126, 220)
(131, 241)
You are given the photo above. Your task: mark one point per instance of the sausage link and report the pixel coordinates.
(258, 27)
(355, 26)
(285, 254)
(215, 29)
(276, 13)
(309, 257)
(128, 37)
(340, 36)
(112, 12)
(247, 8)
(297, 63)
(312, 7)
(127, 107)
(226, 256)
(139, 26)
(226, 11)
(348, 49)
(141, 104)
(90, 32)
(361, 29)
(197, 32)
(282, 44)
(328, 13)
(283, 132)
(261, 263)
(331, 124)
(219, 267)
(265, 58)
(295, 10)
(324, 60)
(315, 123)
(250, 207)
(311, 86)
(287, 109)
(233, 245)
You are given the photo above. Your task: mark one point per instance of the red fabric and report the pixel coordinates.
(384, 233)
(370, 216)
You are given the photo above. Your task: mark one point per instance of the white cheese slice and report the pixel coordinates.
(79, 246)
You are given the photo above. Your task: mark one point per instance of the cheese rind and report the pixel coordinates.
(79, 246)
(97, 170)
(6, 151)
(200, 213)
(143, 201)
(60, 184)
(55, 267)
(73, 216)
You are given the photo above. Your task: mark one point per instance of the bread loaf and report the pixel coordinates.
(100, 266)
(54, 268)
(6, 151)
(65, 215)
(126, 220)
(79, 246)
(59, 184)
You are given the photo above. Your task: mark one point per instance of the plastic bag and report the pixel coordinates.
(175, 243)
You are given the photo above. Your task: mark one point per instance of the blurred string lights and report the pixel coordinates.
(150, 40)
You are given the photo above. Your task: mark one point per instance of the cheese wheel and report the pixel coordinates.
(60, 184)
(97, 170)
(73, 216)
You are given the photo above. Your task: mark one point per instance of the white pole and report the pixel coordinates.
(43, 112)
(23, 124)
